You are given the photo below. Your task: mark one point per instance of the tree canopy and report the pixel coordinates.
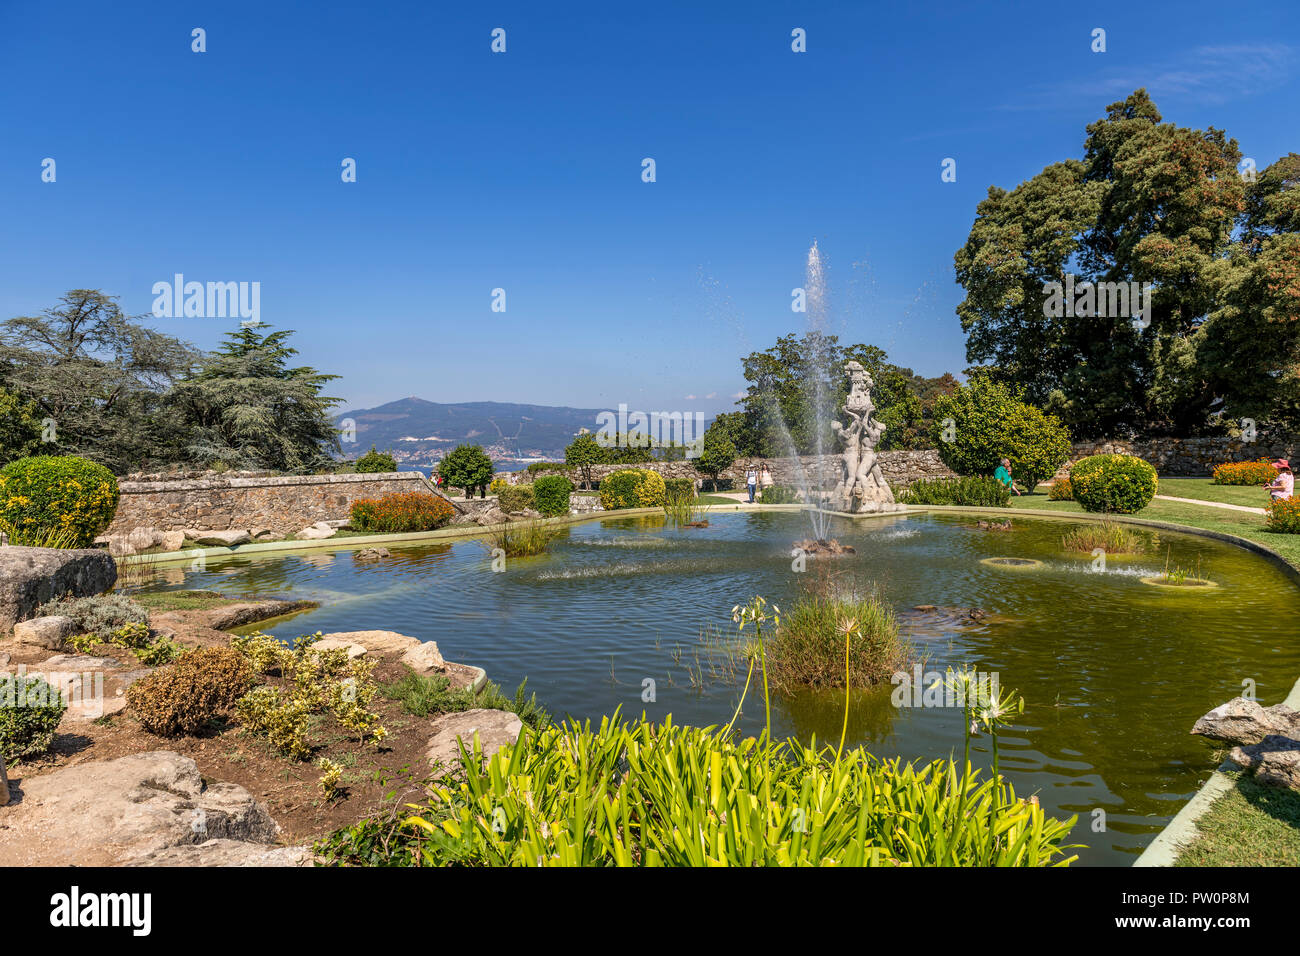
(787, 381)
(1149, 202)
(98, 375)
(245, 407)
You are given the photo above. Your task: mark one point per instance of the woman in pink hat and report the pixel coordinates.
(1284, 483)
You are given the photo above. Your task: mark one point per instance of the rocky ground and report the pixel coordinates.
(110, 793)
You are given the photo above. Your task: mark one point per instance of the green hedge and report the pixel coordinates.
(1119, 484)
(514, 498)
(632, 488)
(56, 501)
(982, 491)
(551, 495)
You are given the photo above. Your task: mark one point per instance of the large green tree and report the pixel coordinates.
(799, 375)
(246, 408)
(97, 375)
(1149, 202)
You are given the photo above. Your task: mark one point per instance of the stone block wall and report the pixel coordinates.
(1187, 457)
(283, 504)
(899, 467)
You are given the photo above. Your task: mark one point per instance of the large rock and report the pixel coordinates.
(228, 853)
(335, 644)
(237, 615)
(376, 642)
(107, 813)
(142, 539)
(495, 729)
(424, 658)
(1242, 721)
(223, 539)
(1275, 760)
(319, 531)
(48, 632)
(172, 540)
(31, 576)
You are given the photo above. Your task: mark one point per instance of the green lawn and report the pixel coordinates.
(1248, 826)
(1204, 490)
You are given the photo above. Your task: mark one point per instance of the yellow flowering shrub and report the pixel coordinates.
(632, 488)
(1119, 484)
(58, 500)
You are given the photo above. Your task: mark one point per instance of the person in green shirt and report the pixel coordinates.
(1003, 474)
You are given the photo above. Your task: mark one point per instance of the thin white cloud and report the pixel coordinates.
(1207, 74)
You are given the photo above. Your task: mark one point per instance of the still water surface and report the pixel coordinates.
(1113, 672)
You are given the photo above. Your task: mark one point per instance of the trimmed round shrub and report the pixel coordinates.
(30, 710)
(374, 462)
(408, 511)
(1283, 514)
(1120, 484)
(515, 498)
(181, 698)
(632, 488)
(59, 498)
(1244, 473)
(551, 495)
(1061, 490)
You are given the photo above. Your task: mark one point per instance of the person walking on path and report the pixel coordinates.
(1283, 485)
(765, 479)
(1003, 474)
(751, 482)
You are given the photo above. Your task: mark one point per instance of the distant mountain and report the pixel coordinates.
(419, 433)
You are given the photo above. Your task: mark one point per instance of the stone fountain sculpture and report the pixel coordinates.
(862, 488)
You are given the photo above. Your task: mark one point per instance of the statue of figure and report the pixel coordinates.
(862, 486)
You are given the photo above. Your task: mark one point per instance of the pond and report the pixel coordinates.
(1113, 672)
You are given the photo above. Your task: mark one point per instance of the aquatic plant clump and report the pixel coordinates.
(808, 647)
(523, 539)
(1109, 536)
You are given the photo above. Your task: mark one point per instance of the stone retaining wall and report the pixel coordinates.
(284, 504)
(899, 467)
(1187, 457)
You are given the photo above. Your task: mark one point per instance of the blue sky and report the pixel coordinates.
(522, 170)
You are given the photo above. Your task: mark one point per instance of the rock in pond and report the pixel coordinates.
(1242, 721)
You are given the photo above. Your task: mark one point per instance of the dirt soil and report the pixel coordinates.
(290, 789)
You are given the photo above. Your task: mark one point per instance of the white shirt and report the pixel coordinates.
(1286, 481)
